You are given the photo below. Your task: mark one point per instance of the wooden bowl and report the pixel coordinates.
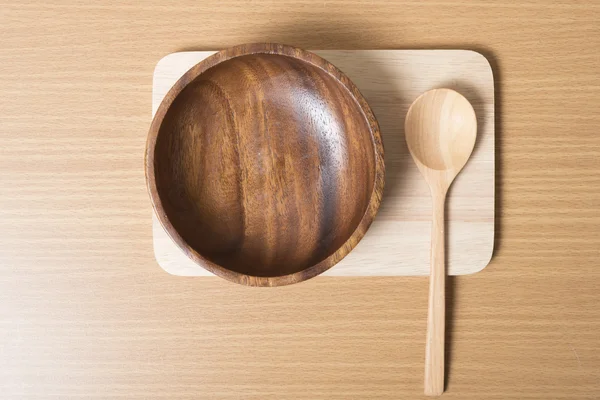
(264, 164)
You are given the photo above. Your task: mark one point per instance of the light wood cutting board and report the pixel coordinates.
(398, 241)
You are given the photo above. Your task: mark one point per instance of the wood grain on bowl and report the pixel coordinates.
(265, 164)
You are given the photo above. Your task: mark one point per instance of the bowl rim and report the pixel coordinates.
(334, 72)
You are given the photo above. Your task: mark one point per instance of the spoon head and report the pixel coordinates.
(440, 130)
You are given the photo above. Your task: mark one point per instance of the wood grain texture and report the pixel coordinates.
(265, 165)
(398, 242)
(85, 311)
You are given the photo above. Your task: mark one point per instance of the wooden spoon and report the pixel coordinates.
(440, 131)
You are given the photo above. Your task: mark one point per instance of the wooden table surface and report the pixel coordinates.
(85, 311)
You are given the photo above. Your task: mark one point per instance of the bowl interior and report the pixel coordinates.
(264, 164)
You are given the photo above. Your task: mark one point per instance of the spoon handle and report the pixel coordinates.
(434, 352)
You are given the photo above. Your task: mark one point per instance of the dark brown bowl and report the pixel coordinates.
(264, 164)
